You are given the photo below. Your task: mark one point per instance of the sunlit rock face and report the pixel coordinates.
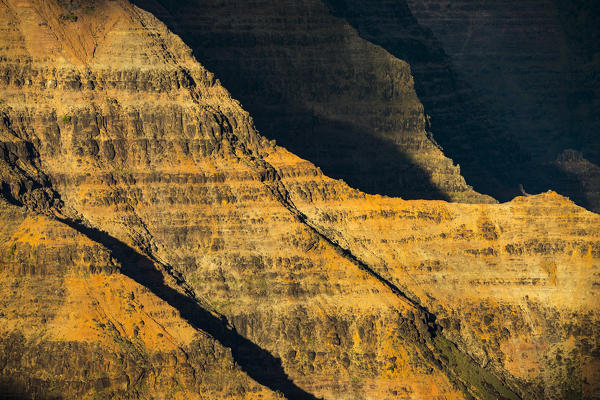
(534, 64)
(501, 281)
(155, 245)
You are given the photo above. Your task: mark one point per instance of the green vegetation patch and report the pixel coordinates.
(70, 17)
(483, 384)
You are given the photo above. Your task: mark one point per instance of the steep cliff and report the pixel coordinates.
(534, 64)
(311, 82)
(156, 245)
(152, 160)
(327, 80)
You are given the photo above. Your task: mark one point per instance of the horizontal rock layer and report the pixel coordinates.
(503, 283)
(144, 202)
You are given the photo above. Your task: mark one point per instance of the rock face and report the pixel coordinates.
(311, 82)
(534, 64)
(500, 280)
(154, 245)
(74, 325)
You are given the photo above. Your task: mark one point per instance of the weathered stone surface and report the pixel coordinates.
(156, 154)
(159, 202)
(73, 326)
(506, 282)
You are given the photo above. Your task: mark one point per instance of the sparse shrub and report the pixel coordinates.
(66, 119)
(13, 249)
(69, 17)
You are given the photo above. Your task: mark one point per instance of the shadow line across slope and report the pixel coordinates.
(255, 361)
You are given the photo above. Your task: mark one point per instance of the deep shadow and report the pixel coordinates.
(458, 123)
(491, 159)
(580, 21)
(345, 151)
(262, 59)
(267, 81)
(13, 389)
(256, 362)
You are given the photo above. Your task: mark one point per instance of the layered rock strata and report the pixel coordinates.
(155, 162)
(172, 250)
(502, 281)
(74, 326)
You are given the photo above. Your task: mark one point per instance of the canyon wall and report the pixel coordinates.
(501, 282)
(74, 326)
(155, 245)
(311, 82)
(534, 65)
(152, 160)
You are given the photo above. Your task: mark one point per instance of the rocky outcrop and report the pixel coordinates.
(173, 250)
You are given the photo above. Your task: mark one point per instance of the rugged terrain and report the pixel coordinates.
(534, 64)
(316, 86)
(496, 94)
(155, 245)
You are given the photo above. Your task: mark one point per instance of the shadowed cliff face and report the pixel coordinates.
(315, 86)
(189, 214)
(457, 121)
(10, 390)
(534, 65)
(528, 61)
(323, 94)
(319, 63)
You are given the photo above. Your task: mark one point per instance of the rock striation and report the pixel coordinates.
(75, 326)
(500, 281)
(311, 81)
(155, 245)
